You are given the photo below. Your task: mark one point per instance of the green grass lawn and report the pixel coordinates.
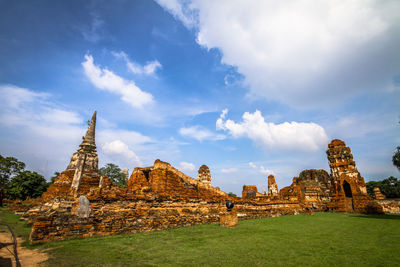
(19, 228)
(323, 239)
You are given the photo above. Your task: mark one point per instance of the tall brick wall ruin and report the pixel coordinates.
(204, 175)
(349, 191)
(273, 192)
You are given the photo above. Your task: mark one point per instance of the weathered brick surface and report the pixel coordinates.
(204, 175)
(349, 191)
(162, 181)
(390, 205)
(228, 219)
(311, 189)
(292, 192)
(273, 192)
(143, 216)
(378, 194)
(249, 191)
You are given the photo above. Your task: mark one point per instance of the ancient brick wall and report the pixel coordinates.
(292, 192)
(61, 188)
(390, 205)
(143, 216)
(378, 194)
(249, 191)
(311, 189)
(163, 180)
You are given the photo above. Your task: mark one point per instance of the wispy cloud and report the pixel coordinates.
(360, 125)
(290, 136)
(200, 133)
(186, 166)
(105, 79)
(93, 31)
(148, 69)
(261, 169)
(30, 121)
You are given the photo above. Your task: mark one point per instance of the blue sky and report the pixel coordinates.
(248, 88)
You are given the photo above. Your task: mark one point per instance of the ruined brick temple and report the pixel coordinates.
(83, 203)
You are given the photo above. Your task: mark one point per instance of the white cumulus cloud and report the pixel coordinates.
(119, 148)
(289, 136)
(200, 133)
(186, 166)
(105, 79)
(301, 52)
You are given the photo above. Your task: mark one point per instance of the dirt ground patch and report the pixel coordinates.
(27, 257)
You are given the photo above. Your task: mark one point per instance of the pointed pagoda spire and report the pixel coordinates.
(89, 139)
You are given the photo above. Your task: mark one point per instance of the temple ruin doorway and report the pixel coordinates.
(347, 189)
(348, 202)
(146, 174)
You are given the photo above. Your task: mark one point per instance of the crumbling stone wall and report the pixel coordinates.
(311, 188)
(107, 218)
(292, 192)
(378, 194)
(249, 191)
(389, 205)
(315, 185)
(163, 180)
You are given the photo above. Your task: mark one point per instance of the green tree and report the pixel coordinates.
(371, 185)
(232, 194)
(396, 158)
(27, 184)
(114, 173)
(390, 187)
(9, 166)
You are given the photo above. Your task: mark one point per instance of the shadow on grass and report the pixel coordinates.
(378, 216)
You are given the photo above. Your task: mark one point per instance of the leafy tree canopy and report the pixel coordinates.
(27, 184)
(390, 187)
(114, 173)
(9, 166)
(232, 194)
